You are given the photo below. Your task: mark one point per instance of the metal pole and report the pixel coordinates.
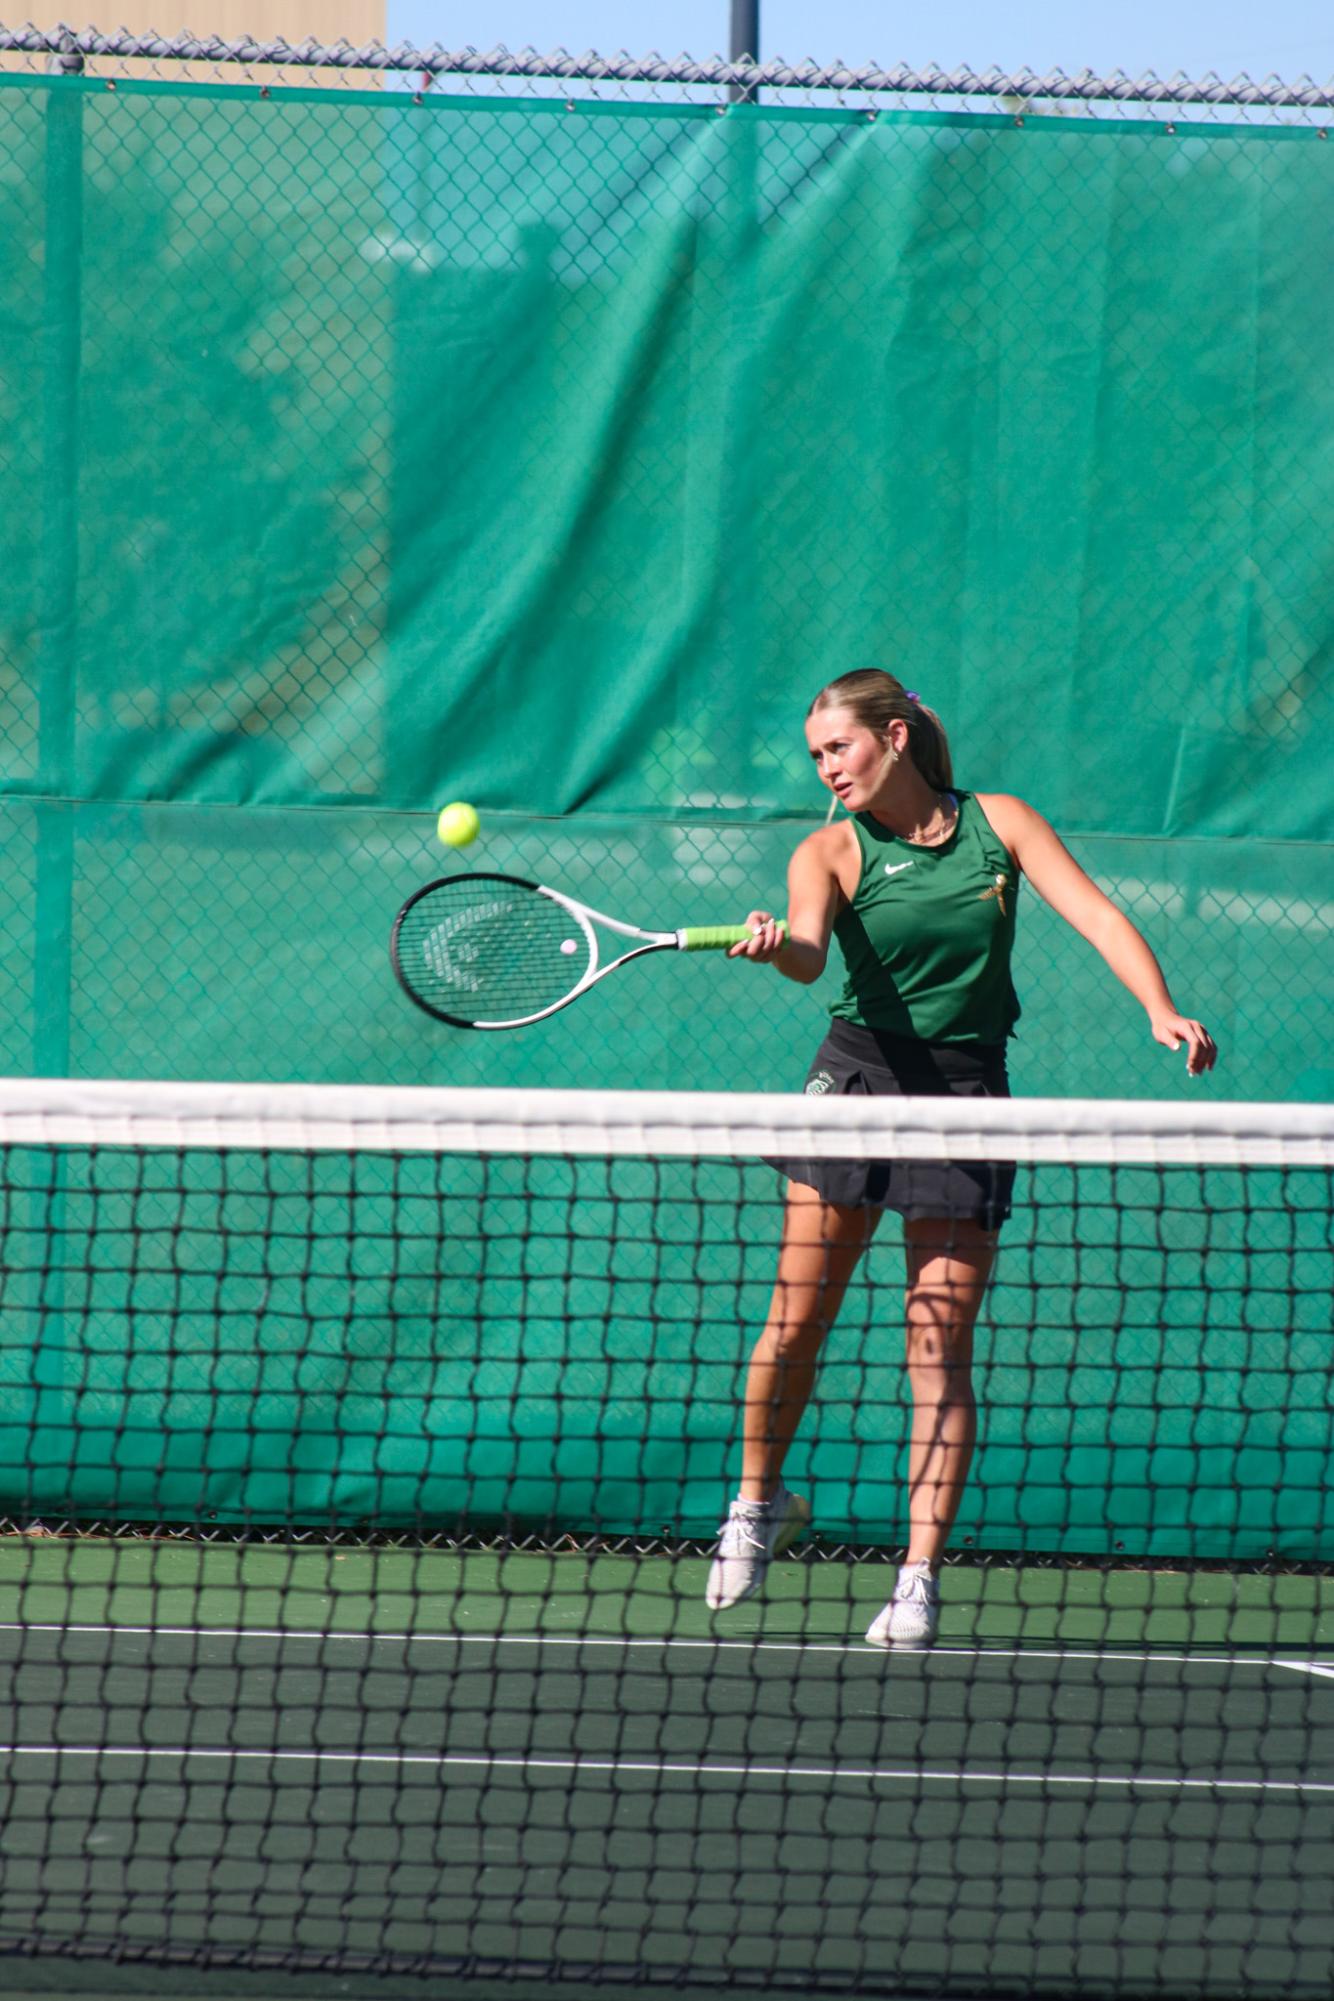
(53, 1365)
(745, 43)
(57, 669)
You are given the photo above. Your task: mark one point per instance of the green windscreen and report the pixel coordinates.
(359, 454)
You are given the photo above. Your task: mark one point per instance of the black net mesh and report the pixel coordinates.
(354, 1598)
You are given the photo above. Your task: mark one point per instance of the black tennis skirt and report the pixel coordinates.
(855, 1062)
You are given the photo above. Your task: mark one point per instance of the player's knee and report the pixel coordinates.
(796, 1339)
(942, 1347)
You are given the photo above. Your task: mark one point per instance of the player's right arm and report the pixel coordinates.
(800, 948)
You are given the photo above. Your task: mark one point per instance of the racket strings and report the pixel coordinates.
(491, 952)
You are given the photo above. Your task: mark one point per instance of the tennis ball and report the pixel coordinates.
(458, 825)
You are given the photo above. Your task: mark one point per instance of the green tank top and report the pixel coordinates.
(928, 935)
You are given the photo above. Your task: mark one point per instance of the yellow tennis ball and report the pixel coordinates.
(458, 825)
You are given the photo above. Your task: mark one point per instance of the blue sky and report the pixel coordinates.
(1289, 37)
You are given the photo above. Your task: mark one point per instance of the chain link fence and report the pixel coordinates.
(543, 431)
(655, 78)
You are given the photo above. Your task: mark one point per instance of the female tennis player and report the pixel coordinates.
(919, 886)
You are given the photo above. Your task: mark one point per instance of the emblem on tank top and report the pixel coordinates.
(997, 890)
(896, 868)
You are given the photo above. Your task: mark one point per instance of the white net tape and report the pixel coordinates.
(684, 1124)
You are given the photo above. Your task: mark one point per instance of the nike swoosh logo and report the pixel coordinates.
(896, 868)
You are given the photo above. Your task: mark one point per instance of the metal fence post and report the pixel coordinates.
(57, 691)
(62, 339)
(745, 42)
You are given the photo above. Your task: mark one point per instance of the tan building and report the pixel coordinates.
(325, 21)
(354, 21)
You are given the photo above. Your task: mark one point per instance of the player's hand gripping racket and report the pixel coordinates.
(493, 951)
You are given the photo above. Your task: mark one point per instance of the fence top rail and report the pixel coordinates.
(69, 49)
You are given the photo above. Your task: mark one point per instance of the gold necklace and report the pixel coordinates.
(950, 813)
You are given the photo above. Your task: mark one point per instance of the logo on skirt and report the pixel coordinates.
(819, 1085)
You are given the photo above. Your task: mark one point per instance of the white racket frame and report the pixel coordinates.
(585, 917)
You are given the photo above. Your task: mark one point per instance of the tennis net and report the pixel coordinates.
(362, 1456)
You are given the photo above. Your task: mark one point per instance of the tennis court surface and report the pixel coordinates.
(275, 1742)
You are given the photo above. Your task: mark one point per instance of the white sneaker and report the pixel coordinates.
(753, 1534)
(912, 1615)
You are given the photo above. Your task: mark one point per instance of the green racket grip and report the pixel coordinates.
(716, 937)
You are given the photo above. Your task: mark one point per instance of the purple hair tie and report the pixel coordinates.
(912, 694)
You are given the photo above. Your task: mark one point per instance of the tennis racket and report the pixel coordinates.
(493, 951)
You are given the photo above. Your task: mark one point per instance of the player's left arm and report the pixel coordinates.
(1059, 880)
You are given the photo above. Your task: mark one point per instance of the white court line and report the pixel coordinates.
(672, 1768)
(315, 1635)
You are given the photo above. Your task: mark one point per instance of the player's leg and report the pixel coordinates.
(821, 1245)
(948, 1265)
